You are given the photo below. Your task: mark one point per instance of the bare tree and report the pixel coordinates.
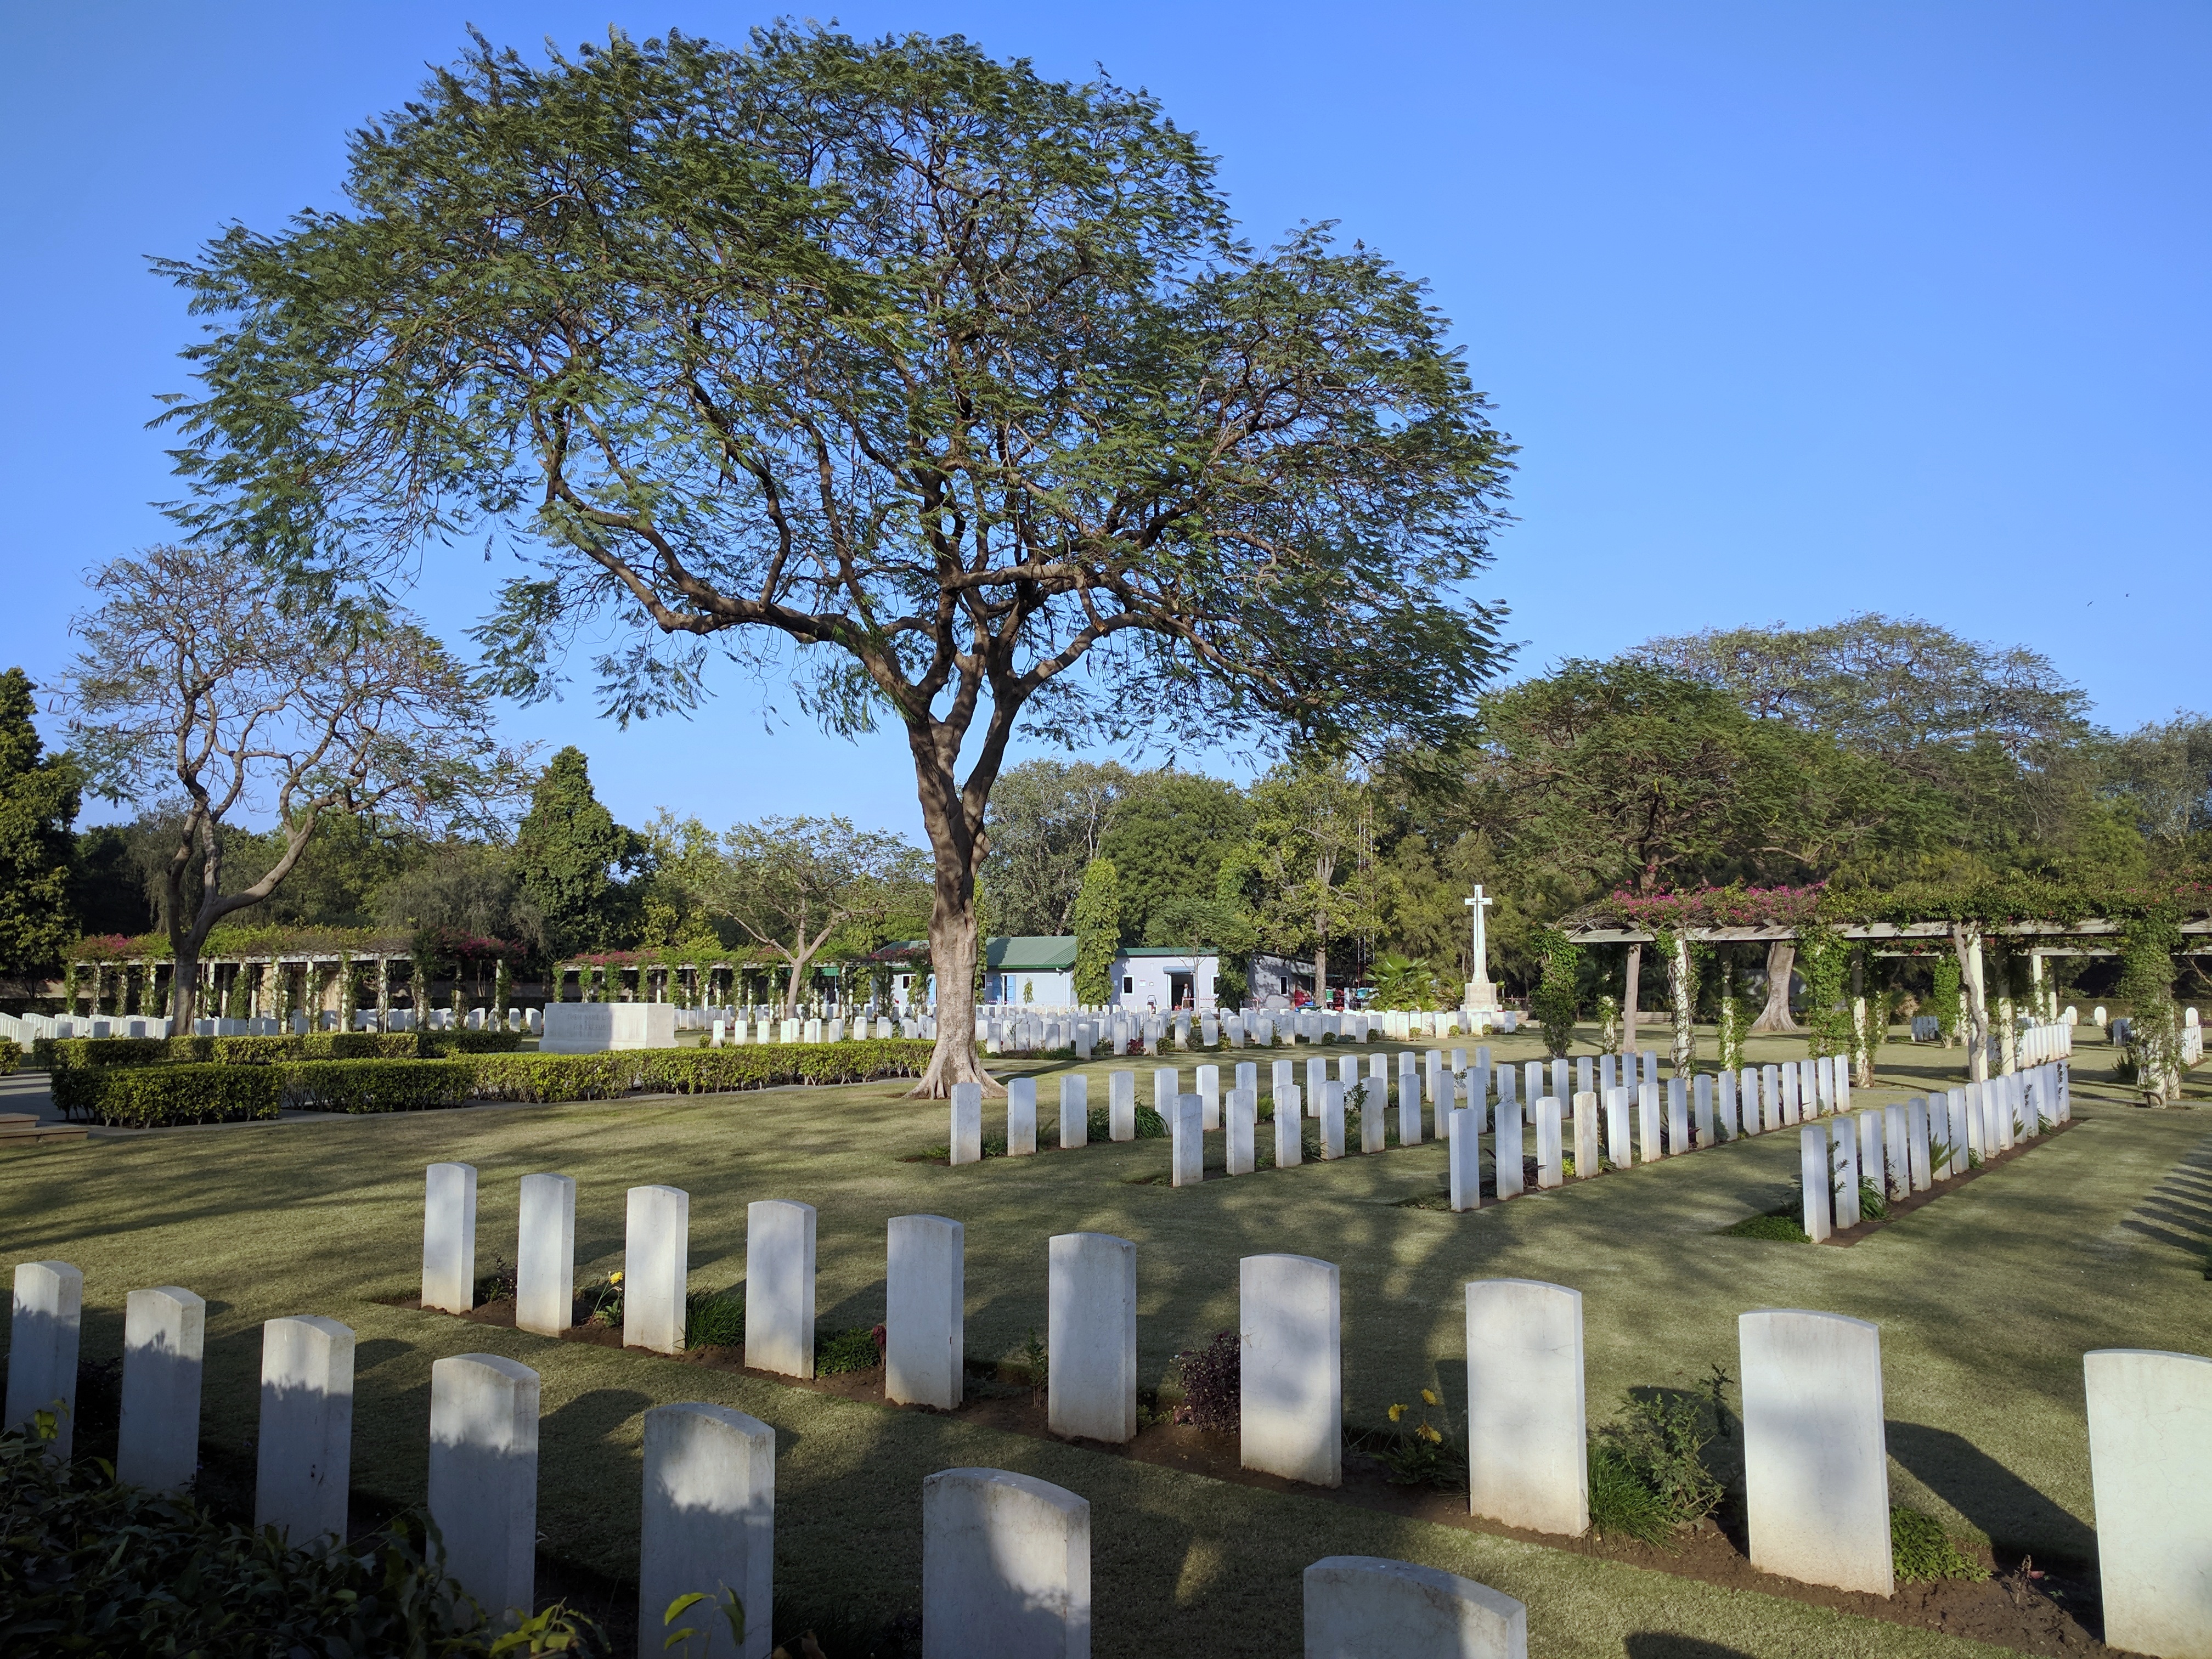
(194, 683)
(791, 883)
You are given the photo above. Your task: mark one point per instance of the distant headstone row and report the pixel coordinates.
(26, 1028)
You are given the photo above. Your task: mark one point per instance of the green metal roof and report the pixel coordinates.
(1040, 953)
(1163, 950)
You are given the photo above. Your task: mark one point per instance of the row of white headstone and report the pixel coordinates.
(1908, 1146)
(725, 1033)
(1005, 1556)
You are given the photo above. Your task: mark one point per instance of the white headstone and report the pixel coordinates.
(2150, 1472)
(1465, 1133)
(656, 1264)
(545, 1255)
(1332, 1121)
(484, 1480)
(1209, 1095)
(1290, 1328)
(1006, 1567)
(1551, 1150)
(780, 1287)
(42, 1348)
(1021, 1116)
(305, 1450)
(449, 1237)
(1527, 1440)
(1814, 1177)
(1816, 1464)
(1121, 1105)
(1187, 1149)
(925, 1299)
(1647, 1123)
(1505, 1148)
(1358, 1607)
(1074, 1112)
(1092, 1336)
(157, 1445)
(1242, 1131)
(1289, 1129)
(966, 1106)
(1588, 1133)
(708, 1525)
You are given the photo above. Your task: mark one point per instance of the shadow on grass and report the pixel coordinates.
(593, 1416)
(2013, 1514)
(1665, 1644)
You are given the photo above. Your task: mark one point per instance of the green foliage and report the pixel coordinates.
(1099, 1124)
(712, 1319)
(2145, 987)
(1402, 983)
(39, 799)
(1921, 1551)
(1097, 933)
(696, 1071)
(61, 1054)
(1873, 1204)
(1554, 1002)
(1419, 1453)
(853, 1349)
(96, 1566)
(1212, 1379)
(378, 1085)
(1045, 819)
(11, 1056)
(1166, 838)
(569, 856)
(1650, 1462)
(153, 1097)
(1943, 995)
(1824, 957)
(434, 1044)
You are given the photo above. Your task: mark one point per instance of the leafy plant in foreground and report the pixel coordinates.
(1213, 1383)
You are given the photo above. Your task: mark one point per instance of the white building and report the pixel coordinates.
(1162, 977)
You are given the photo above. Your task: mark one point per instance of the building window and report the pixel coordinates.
(1128, 985)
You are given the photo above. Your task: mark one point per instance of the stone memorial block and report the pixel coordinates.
(1290, 1325)
(1289, 1130)
(1021, 1116)
(484, 1480)
(157, 1445)
(1590, 1133)
(1006, 1567)
(708, 1519)
(1897, 1152)
(42, 1348)
(1360, 1605)
(656, 1264)
(1814, 1177)
(449, 1237)
(1187, 1145)
(1816, 1464)
(1121, 1105)
(1506, 1154)
(1919, 1163)
(545, 1254)
(1209, 1095)
(1464, 1138)
(966, 1107)
(2150, 1473)
(1332, 1121)
(1527, 1455)
(1243, 1131)
(1092, 1336)
(304, 1457)
(1678, 1117)
(925, 1299)
(780, 1287)
(1619, 1145)
(1648, 1148)
(1551, 1170)
(1074, 1112)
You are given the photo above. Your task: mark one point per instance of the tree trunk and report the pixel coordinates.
(1865, 1038)
(1320, 971)
(1966, 943)
(1781, 961)
(1681, 997)
(1628, 990)
(953, 817)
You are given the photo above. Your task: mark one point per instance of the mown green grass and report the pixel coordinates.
(1986, 1299)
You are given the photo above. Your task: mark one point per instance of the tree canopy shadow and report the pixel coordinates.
(2013, 1514)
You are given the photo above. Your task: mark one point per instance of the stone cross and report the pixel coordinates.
(1479, 985)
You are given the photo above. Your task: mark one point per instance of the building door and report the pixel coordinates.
(1180, 986)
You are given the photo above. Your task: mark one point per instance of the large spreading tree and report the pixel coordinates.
(945, 391)
(39, 797)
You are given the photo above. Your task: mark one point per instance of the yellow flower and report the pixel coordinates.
(615, 1278)
(1397, 1413)
(1428, 1398)
(1429, 1435)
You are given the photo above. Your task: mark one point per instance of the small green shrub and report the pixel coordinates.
(602, 1302)
(444, 1044)
(853, 1349)
(155, 1096)
(1874, 1206)
(96, 1566)
(1921, 1552)
(1421, 1454)
(1099, 1124)
(1656, 1444)
(712, 1319)
(1212, 1379)
(11, 1056)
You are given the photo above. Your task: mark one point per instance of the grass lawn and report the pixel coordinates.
(1986, 1298)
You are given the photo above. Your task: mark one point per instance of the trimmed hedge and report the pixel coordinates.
(150, 1096)
(697, 1071)
(58, 1053)
(442, 1044)
(143, 1095)
(378, 1085)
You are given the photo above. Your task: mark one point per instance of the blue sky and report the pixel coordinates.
(1794, 310)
